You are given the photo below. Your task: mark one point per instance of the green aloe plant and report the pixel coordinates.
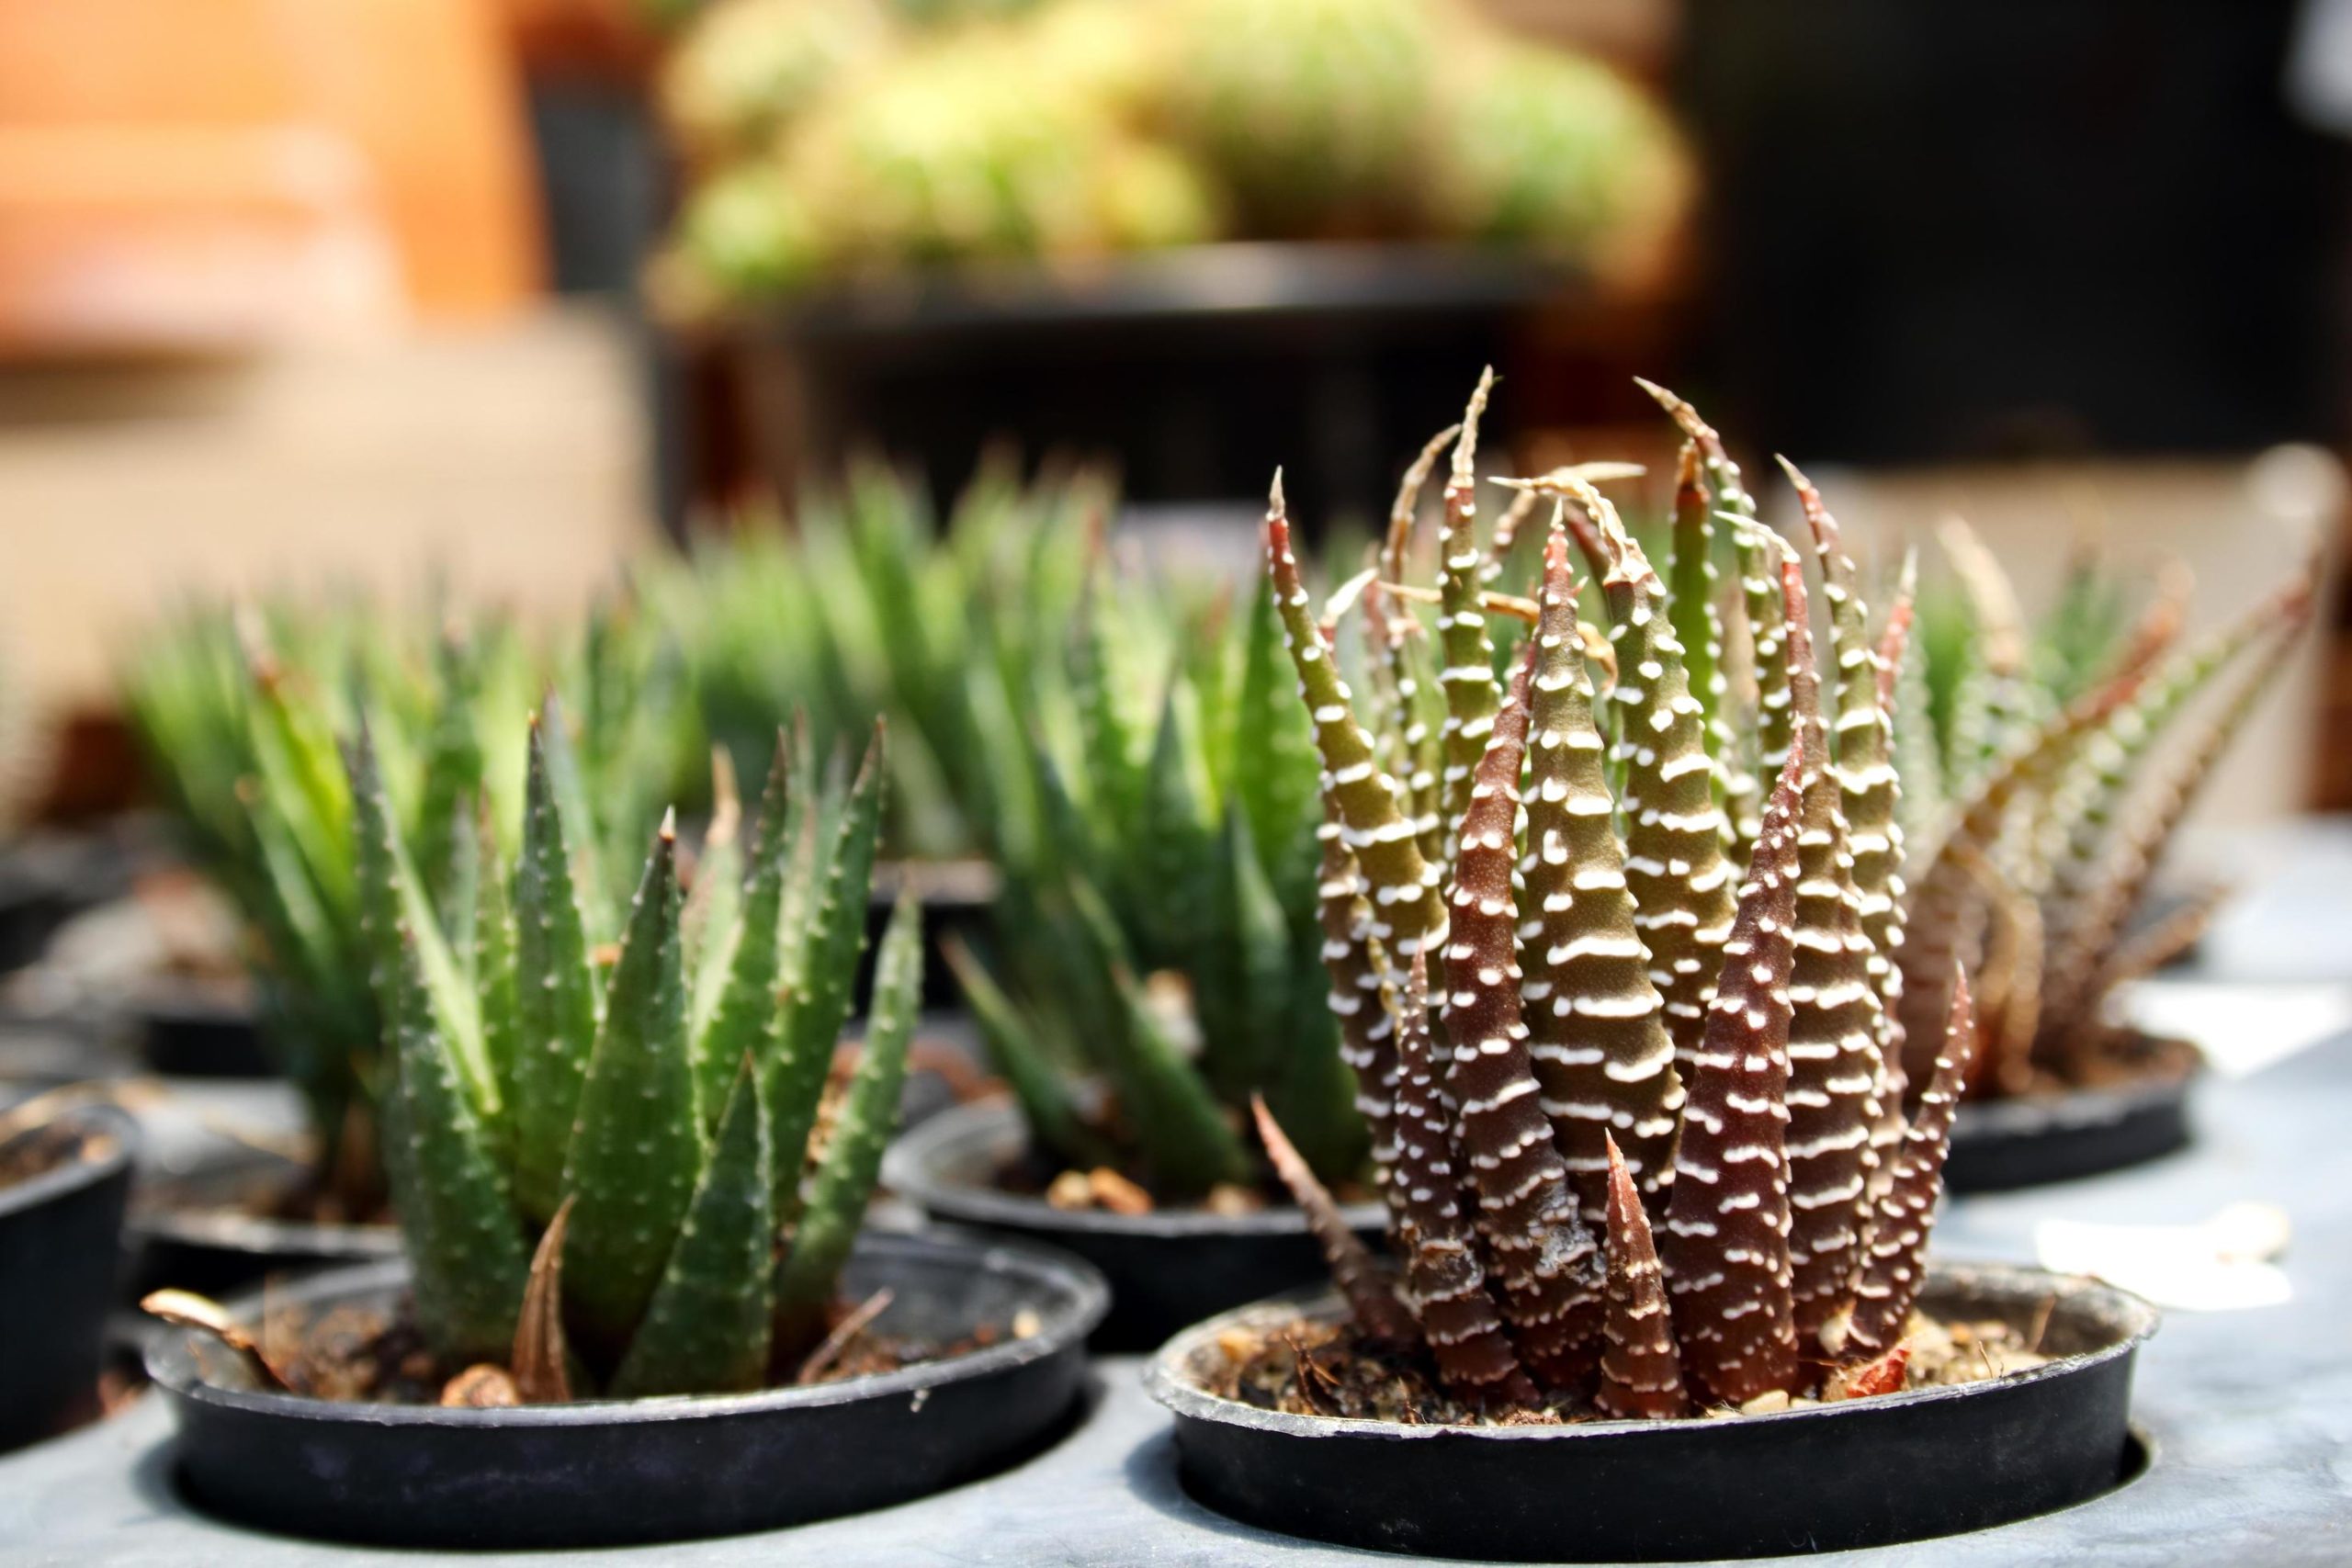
(239, 711)
(2055, 759)
(612, 1144)
(1123, 747)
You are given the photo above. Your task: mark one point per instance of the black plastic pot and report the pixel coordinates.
(1166, 1269)
(1827, 1478)
(595, 1473)
(193, 1232)
(195, 1032)
(30, 916)
(953, 898)
(2032, 1140)
(58, 1254)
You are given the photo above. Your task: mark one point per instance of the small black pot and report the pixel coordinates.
(58, 1253)
(1166, 1269)
(953, 898)
(2032, 1140)
(604, 1473)
(194, 1031)
(191, 1234)
(1825, 1478)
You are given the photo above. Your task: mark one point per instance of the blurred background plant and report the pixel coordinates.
(242, 713)
(2049, 761)
(1107, 731)
(832, 138)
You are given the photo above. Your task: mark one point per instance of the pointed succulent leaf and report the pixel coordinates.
(1186, 1145)
(453, 776)
(1945, 902)
(1681, 882)
(1372, 1301)
(1863, 735)
(1759, 586)
(744, 1018)
(392, 901)
(1445, 1280)
(715, 899)
(568, 787)
(555, 993)
(1467, 679)
(466, 1253)
(1360, 998)
(819, 975)
(493, 949)
(852, 1159)
(1834, 1033)
(1596, 1025)
(1273, 755)
(1726, 1245)
(1896, 1263)
(706, 1328)
(1407, 909)
(1545, 1259)
(1691, 591)
(638, 1145)
(1016, 1051)
(1641, 1373)
(2073, 989)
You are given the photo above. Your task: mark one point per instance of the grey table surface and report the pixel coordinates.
(2249, 1413)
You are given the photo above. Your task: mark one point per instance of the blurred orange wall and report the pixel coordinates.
(426, 90)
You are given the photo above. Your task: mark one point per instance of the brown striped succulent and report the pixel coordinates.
(2063, 755)
(1639, 1122)
(603, 1153)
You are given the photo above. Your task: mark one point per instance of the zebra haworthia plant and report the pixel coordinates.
(613, 1146)
(1639, 1119)
(2054, 762)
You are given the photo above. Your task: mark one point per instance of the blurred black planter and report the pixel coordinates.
(207, 1230)
(1167, 1269)
(953, 898)
(2000, 1144)
(58, 1253)
(30, 913)
(1200, 370)
(594, 1473)
(192, 1031)
(1829, 1478)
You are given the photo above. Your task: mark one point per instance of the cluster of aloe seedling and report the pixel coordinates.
(605, 1157)
(1122, 748)
(2048, 766)
(1649, 1146)
(240, 711)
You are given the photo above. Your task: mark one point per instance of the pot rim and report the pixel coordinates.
(2009, 1115)
(171, 1365)
(228, 1229)
(1165, 1381)
(909, 1163)
(82, 1172)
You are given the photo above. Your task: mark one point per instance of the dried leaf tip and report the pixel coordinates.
(1275, 506)
(1466, 443)
(1371, 1298)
